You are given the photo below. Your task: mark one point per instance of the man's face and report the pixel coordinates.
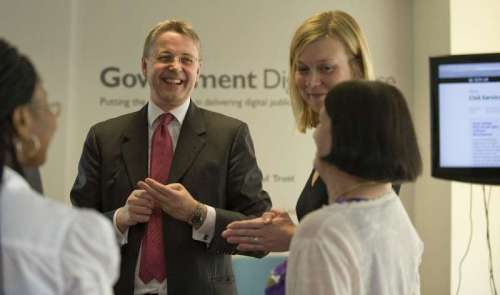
(172, 69)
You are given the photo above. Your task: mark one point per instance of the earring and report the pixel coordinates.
(19, 146)
(36, 146)
(35, 143)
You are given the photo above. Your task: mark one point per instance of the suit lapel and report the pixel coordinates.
(191, 141)
(134, 151)
(134, 146)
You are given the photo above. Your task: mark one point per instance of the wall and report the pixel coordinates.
(475, 28)
(432, 197)
(442, 207)
(43, 31)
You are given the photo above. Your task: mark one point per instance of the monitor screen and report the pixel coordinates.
(465, 113)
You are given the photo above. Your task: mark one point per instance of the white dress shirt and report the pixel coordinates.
(204, 233)
(48, 248)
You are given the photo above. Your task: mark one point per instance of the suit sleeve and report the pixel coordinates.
(245, 196)
(86, 191)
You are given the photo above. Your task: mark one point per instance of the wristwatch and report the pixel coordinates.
(196, 220)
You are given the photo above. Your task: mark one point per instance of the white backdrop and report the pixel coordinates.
(89, 55)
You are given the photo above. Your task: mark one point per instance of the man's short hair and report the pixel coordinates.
(180, 27)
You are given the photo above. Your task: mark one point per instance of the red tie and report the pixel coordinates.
(153, 250)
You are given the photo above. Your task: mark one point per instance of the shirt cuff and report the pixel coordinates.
(205, 232)
(122, 238)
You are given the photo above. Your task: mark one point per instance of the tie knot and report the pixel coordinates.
(165, 119)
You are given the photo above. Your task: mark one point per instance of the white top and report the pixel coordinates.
(48, 248)
(365, 247)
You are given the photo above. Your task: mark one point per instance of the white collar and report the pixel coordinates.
(12, 178)
(179, 112)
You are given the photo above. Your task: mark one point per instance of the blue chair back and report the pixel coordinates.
(251, 274)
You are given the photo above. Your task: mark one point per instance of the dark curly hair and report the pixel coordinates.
(18, 78)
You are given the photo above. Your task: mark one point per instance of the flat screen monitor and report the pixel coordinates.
(465, 117)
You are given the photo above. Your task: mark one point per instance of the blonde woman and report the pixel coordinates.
(328, 48)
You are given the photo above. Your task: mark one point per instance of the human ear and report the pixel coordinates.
(22, 122)
(198, 72)
(357, 68)
(27, 144)
(144, 66)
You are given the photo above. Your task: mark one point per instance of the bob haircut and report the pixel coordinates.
(372, 132)
(336, 25)
(179, 27)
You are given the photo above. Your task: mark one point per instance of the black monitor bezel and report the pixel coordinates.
(465, 174)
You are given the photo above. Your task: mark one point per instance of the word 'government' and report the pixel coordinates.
(113, 77)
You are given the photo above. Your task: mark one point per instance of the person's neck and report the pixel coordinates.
(167, 106)
(343, 186)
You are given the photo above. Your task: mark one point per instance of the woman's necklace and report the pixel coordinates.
(341, 197)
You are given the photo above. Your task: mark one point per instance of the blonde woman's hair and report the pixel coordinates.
(337, 25)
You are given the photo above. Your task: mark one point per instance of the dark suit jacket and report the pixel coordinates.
(214, 159)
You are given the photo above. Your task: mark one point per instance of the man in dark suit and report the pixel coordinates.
(211, 179)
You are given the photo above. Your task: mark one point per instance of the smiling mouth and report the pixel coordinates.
(173, 81)
(317, 94)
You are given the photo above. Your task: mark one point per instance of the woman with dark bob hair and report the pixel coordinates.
(46, 247)
(363, 242)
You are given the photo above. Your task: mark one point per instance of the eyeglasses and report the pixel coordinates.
(53, 107)
(185, 59)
